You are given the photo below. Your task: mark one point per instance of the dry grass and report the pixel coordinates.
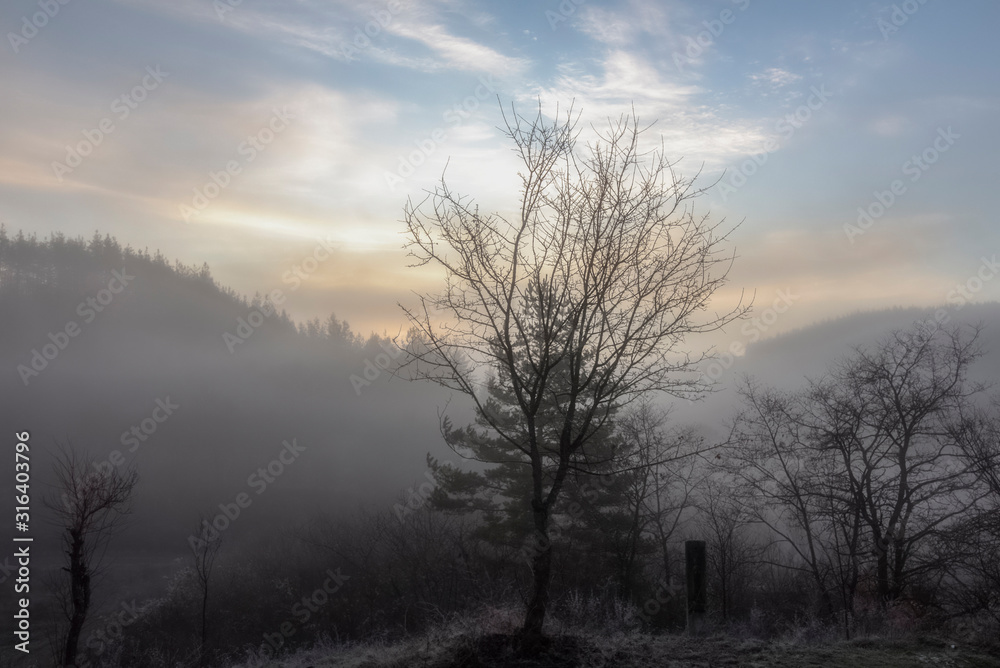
(484, 641)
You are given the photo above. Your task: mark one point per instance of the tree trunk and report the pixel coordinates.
(204, 624)
(882, 572)
(79, 596)
(694, 557)
(626, 586)
(898, 570)
(724, 592)
(666, 562)
(531, 632)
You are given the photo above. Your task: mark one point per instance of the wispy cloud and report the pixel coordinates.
(622, 25)
(345, 30)
(459, 53)
(775, 77)
(688, 126)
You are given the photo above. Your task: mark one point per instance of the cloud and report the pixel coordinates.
(459, 53)
(900, 264)
(774, 78)
(626, 80)
(607, 26)
(622, 26)
(347, 30)
(636, 70)
(889, 265)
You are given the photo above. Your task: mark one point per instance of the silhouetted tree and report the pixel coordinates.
(90, 507)
(577, 305)
(862, 472)
(733, 555)
(203, 553)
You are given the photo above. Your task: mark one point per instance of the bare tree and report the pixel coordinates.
(864, 470)
(91, 506)
(733, 555)
(578, 303)
(662, 475)
(886, 415)
(977, 432)
(203, 553)
(969, 547)
(776, 472)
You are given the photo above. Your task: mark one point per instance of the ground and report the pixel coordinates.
(635, 650)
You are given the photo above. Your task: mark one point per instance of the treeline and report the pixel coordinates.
(30, 267)
(60, 267)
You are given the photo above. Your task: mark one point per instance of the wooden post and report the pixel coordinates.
(694, 554)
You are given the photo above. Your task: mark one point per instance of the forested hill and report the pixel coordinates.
(791, 360)
(133, 358)
(96, 338)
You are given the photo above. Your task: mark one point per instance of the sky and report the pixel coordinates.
(854, 143)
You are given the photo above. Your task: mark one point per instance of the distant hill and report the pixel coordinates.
(99, 343)
(788, 360)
